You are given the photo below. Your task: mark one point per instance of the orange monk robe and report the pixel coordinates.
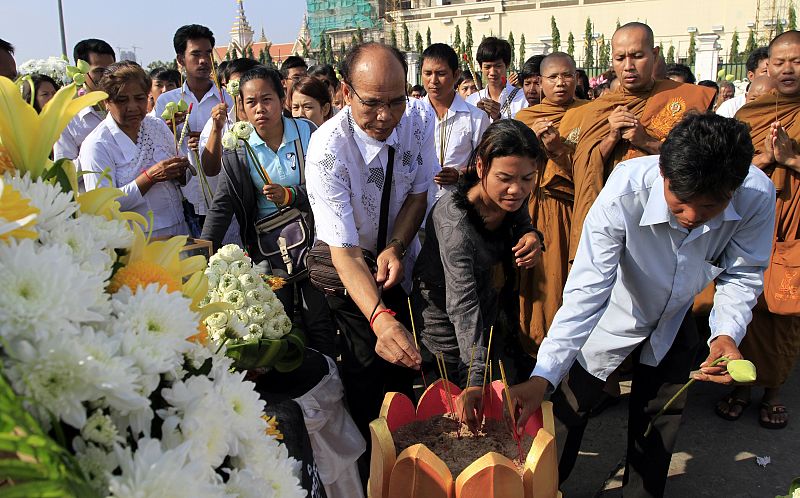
(658, 110)
(550, 208)
(773, 341)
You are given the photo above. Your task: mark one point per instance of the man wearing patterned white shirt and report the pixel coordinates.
(193, 48)
(459, 126)
(99, 55)
(500, 99)
(347, 165)
(661, 229)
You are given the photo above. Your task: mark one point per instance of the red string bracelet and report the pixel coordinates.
(149, 177)
(376, 315)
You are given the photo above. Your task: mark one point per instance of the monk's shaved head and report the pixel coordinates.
(647, 32)
(760, 86)
(557, 57)
(788, 37)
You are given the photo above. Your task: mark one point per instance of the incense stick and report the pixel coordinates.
(416, 344)
(469, 374)
(487, 365)
(507, 391)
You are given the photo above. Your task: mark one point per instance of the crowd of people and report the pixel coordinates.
(582, 216)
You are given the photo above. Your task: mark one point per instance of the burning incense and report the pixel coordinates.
(507, 391)
(416, 344)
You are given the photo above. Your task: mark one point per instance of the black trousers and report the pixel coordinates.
(365, 375)
(647, 463)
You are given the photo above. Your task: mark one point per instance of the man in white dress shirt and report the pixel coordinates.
(99, 55)
(193, 46)
(347, 165)
(498, 98)
(756, 66)
(459, 126)
(661, 229)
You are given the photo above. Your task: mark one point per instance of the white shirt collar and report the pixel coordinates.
(368, 146)
(458, 104)
(657, 211)
(126, 145)
(212, 92)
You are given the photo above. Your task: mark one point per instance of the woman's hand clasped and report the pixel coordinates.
(168, 169)
(528, 250)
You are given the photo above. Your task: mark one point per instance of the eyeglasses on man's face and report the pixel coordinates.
(373, 106)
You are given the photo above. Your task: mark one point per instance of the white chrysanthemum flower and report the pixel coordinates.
(41, 287)
(114, 234)
(100, 429)
(235, 298)
(239, 267)
(241, 315)
(154, 325)
(253, 332)
(217, 320)
(268, 460)
(234, 329)
(256, 313)
(58, 376)
(96, 463)
(231, 252)
(244, 402)
(152, 472)
(247, 281)
(79, 235)
(227, 283)
(55, 206)
(246, 484)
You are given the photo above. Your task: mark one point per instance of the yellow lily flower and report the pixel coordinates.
(157, 262)
(103, 202)
(28, 137)
(17, 216)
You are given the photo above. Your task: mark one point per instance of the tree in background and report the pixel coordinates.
(779, 27)
(792, 15)
(692, 52)
(167, 65)
(750, 44)
(618, 25)
(353, 41)
(604, 53)
(733, 55)
(571, 45)
(468, 40)
(250, 54)
(393, 37)
(234, 53)
(457, 39)
(331, 54)
(555, 34)
(418, 43)
(428, 37)
(305, 49)
(360, 35)
(588, 50)
(522, 49)
(670, 58)
(323, 49)
(513, 48)
(406, 38)
(342, 51)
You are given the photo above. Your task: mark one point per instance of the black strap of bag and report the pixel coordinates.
(322, 272)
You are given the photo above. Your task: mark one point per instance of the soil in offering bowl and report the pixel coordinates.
(440, 435)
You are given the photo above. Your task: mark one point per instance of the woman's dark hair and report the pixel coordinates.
(91, 46)
(264, 73)
(190, 32)
(120, 73)
(492, 49)
(315, 89)
(532, 67)
(240, 66)
(442, 52)
(164, 74)
(37, 79)
(582, 90)
(326, 72)
(355, 53)
(503, 138)
(706, 154)
(681, 71)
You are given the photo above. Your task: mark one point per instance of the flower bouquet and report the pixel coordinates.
(256, 331)
(55, 67)
(108, 386)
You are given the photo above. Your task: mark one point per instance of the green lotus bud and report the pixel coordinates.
(742, 370)
(182, 106)
(721, 73)
(166, 115)
(72, 71)
(79, 79)
(730, 77)
(172, 106)
(83, 66)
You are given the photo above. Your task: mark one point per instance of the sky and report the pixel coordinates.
(32, 25)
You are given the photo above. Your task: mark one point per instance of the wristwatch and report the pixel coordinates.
(400, 244)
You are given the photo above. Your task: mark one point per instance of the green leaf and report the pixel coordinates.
(57, 175)
(742, 370)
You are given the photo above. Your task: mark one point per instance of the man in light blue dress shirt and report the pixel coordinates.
(662, 228)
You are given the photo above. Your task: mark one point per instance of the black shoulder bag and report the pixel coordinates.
(321, 271)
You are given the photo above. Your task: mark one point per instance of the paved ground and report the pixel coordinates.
(713, 457)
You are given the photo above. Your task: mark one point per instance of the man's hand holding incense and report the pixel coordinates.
(491, 107)
(721, 346)
(469, 409)
(447, 176)
(527, 251)
(526, 398)
(395, 344)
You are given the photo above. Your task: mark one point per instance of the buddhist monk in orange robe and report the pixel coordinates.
(550, 205)
(773, 341)
(630, 122)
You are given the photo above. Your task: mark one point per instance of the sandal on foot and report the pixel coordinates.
(730, 402)
(772, 409)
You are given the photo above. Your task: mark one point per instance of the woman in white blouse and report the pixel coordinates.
(137, 151)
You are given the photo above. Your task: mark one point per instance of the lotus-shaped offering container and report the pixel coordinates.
(418, 472)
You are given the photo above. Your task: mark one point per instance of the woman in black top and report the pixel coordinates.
(468, 235)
